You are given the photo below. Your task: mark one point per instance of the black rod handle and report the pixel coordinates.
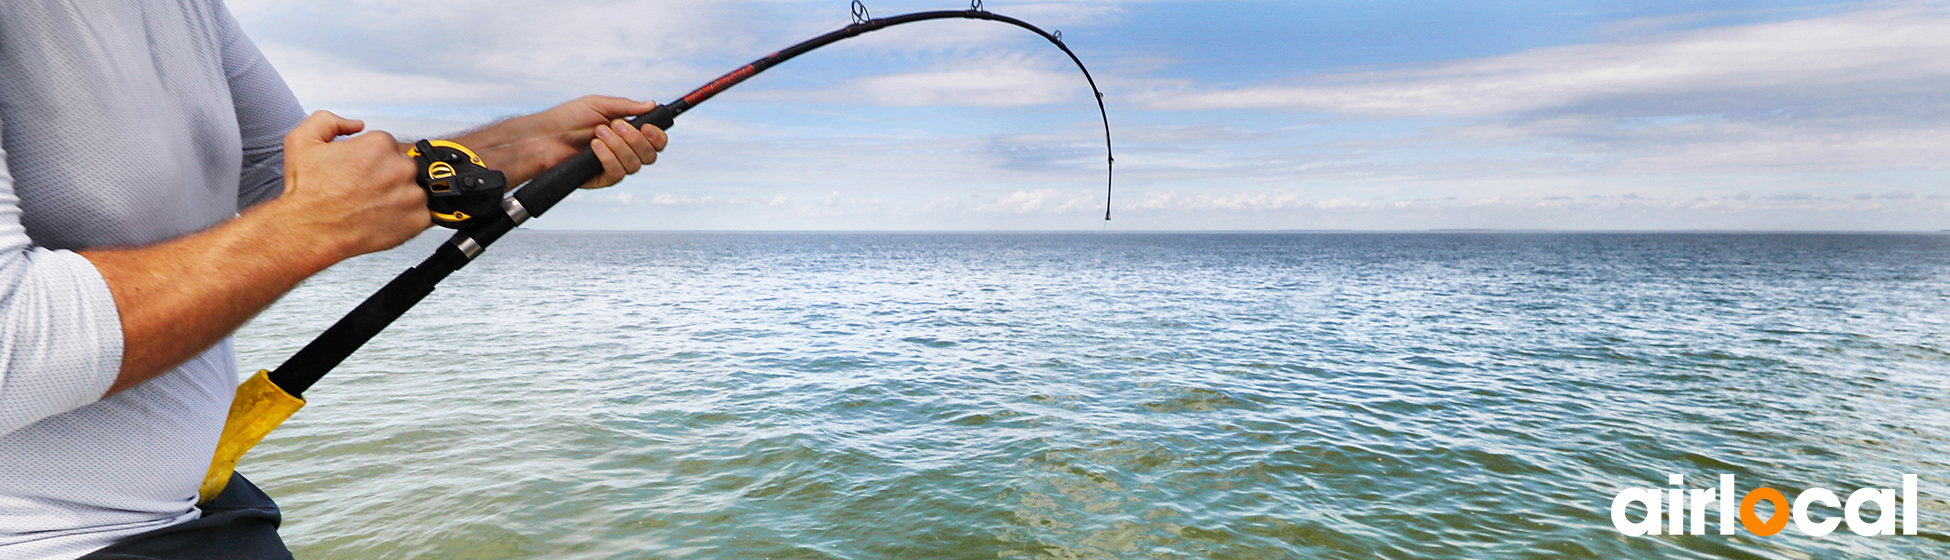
(390, 302)
(364, 322)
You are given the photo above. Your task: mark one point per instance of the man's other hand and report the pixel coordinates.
(523, 147)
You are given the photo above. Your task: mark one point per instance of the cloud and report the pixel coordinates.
(324, 79)
(1853, 92)
(1042, 200)
(1869, 55)
(1242, 209)
(496, 52)
(1833, 107)
(1240, 201)
(523, 53)
(1721, 144)
(668, 199)
(962, 37)
(1015, 80)
(1020, 201)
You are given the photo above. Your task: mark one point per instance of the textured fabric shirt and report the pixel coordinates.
(122, 122)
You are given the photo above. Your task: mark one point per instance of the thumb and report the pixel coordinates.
(618, 107)
(320, 128)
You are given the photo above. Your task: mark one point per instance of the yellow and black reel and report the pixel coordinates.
(459, 186)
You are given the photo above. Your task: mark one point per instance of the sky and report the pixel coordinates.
(1290, 115)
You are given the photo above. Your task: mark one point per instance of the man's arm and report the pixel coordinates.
(341, 199)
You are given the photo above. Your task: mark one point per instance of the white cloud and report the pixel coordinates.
(995, 81)
(1020, 201)
(1254, 210)
(1835, 107)
(494, 52)
(526, 53)
(668, 199)
(1043, 200)
(1247, 201)
(1856, 92)
(961, 37)
(1892, 50)
(324, 79)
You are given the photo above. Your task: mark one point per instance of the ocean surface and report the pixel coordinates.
(1090, 395)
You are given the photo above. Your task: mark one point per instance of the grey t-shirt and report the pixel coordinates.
(123, 122)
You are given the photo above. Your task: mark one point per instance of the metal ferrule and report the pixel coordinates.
(467, 246)
(514, 209)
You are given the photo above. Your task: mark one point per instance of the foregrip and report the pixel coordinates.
(555, 184)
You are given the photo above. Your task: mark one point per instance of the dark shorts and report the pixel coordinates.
(242, 524)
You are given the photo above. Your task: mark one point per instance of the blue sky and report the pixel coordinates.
(1300, 115)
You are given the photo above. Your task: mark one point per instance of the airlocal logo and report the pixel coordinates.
(1674, 507)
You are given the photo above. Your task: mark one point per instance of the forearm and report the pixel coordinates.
(179, 298)
(515, 147)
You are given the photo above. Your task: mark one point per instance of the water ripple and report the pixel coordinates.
(853, 396)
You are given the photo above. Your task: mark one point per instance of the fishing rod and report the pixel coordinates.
(464, 194)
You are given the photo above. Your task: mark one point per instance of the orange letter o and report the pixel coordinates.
(1774, 523)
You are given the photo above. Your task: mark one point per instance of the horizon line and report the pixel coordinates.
(1267, 231)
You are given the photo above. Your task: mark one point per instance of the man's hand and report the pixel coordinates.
(359, 192)
(341, 199)
(523, 147)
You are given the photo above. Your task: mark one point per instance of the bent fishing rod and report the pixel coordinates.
(465, 195)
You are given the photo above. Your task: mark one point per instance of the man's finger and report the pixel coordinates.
(638, 143)
(323, 126)
(625, 154)
(378, 136)
(612, 169)
(658, 139)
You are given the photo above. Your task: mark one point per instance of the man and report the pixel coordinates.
(151, 202)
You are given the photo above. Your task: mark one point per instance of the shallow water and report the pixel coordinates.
(605, 395)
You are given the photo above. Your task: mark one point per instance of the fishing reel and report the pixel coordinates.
(459, 186)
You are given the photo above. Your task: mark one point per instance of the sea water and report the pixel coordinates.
(722, 395)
